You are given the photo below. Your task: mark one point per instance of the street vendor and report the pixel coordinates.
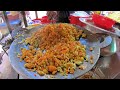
(59, 16)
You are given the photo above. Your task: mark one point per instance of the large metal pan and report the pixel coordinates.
(19, 66)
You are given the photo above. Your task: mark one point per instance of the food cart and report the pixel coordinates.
(106, 65)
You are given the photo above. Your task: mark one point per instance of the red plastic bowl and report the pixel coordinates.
(45, 17)
(44, 20)
(75, 20)
(102, 21)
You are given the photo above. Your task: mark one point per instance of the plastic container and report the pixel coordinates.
(43, 20)
(74, 18)
(102, 21)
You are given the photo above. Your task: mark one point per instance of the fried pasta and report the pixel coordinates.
(52, 34)
(54, 48)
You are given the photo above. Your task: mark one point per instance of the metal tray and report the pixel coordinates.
(19, 66)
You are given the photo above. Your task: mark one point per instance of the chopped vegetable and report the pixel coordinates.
(91, 57)
(52, 68)
(82, 67)
(91, 48)
(41, 73)
(84, 35)
(91, 61)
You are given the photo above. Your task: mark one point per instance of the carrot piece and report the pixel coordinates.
(51, 68)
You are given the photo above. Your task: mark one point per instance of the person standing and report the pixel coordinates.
(59, 16)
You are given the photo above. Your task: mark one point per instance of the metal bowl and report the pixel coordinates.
(110, 49)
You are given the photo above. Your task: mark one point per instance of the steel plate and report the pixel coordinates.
(19, 66)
